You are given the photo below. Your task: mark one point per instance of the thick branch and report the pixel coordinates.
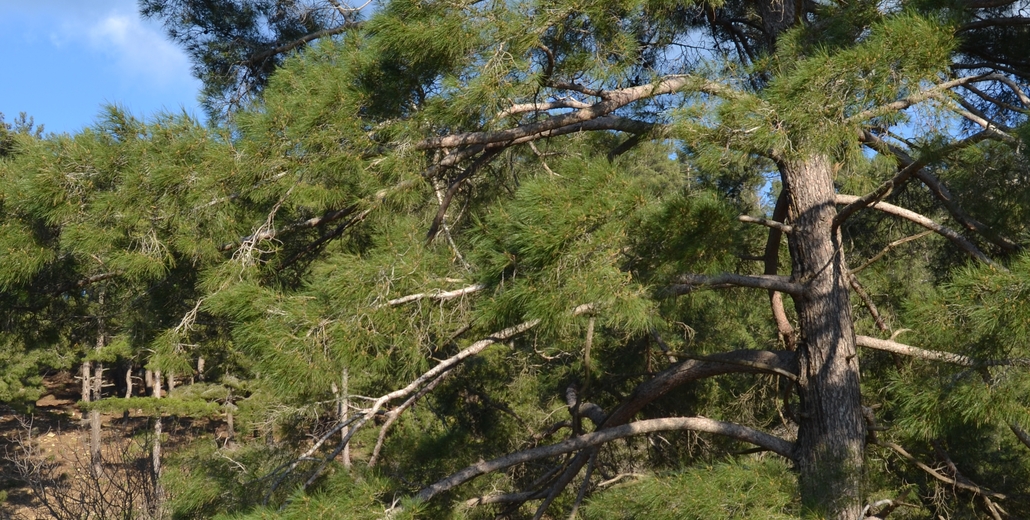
(925, 222)
(907, 350)
(522, 108)
(1021, 434)
(772, 267)
(691, 282)
(994, 22)
(612, 101)
(736, 431)
(693, 370)
(622, 124)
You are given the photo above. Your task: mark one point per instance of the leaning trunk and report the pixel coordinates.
(831, 434)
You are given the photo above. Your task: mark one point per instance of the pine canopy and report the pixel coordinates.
(598, 259)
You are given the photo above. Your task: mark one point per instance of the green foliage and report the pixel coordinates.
(745, 489)
(287, 247)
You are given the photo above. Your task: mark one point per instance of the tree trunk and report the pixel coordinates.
(156, 452)
(94, 417)
(831, 435)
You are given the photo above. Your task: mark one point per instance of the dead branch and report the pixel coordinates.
(394, 414)
(691, 282)
(522, 108)
(445, 200)
(427, 378)
(703, 424)
(330, 216)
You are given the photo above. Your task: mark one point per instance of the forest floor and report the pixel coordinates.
(55, 438)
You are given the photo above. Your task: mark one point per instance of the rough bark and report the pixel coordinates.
(831, 435)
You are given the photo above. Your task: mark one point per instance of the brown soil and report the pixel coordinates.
(57, 430)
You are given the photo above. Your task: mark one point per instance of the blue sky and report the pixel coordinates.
(69, 58)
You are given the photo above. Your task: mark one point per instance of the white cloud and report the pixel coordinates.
(138, 51)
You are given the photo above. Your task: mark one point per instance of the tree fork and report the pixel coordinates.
(831, 434)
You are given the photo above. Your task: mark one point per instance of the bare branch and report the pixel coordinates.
(331, 216)
(994, 22)
(944, 231)
(971, 113)
(907, 350)
(612, 100)
(887, 249)
(771, 260)
(944, 195)
(693, 370)
(691, 282)
(1021, 434)
(287, 47)
(522, 108)
(394, 414)
(918, 97)
(703, 424)
(860, 291)
(434, 295)
(765, 222)
(937, 475)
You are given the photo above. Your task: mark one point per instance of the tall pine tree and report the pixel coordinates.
(538, 235)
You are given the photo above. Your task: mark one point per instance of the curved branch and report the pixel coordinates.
(994, 22)
(918, 97)
(887, 249)
(693, 370)
(702, 424)
(925, 222)
(691, 282)
(937, 475)
(287, 47)
(612, 101)
(915, 167)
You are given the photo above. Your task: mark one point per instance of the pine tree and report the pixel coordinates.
(526, 234)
